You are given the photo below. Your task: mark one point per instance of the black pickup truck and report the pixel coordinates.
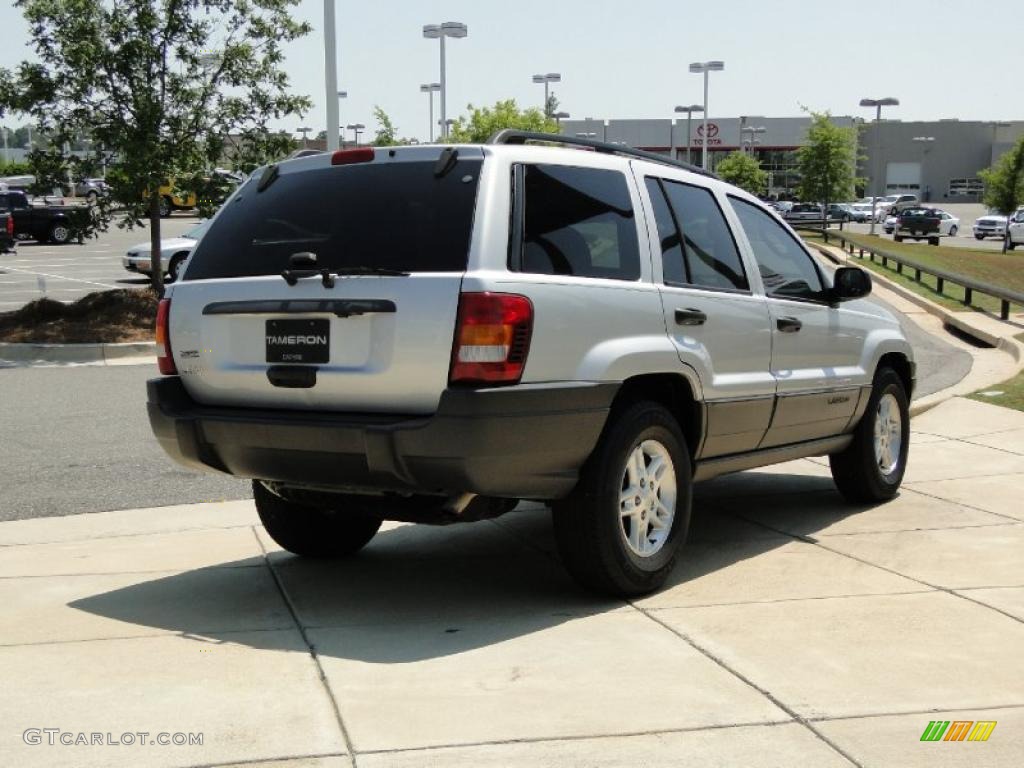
(52, 223)
(917, 223)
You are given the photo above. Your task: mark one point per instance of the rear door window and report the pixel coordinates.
(576, 221)
(393, 215)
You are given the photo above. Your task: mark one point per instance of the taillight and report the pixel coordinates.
(10, 226)
(492, 338)
(163, 339)
(349, 156)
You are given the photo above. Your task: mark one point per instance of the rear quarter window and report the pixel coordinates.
(576, 221)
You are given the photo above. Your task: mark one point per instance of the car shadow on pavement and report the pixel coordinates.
(419, 592)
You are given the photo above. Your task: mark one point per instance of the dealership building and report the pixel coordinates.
(937, 160)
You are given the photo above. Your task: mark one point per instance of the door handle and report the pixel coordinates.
(690, 317)
(788, 324)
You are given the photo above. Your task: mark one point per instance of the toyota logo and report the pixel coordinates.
(712, 130)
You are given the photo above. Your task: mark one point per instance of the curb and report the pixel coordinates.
(1010, 346)
(76, 353)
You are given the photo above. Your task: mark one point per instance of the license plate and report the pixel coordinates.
(298, 341)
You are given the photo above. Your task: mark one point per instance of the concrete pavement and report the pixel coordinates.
(796, 631)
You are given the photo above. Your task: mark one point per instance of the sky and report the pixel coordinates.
(622, 60)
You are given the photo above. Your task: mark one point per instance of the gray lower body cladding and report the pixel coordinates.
(523, 442)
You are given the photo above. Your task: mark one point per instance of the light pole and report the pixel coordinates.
(550, 77)
(7, 152)
(706, 67)
(888, 101)
(559, 117)
(331, 75)
(925, 142)
(356, 129)
(304, 130)
(689, 135)
(429, 88)
(750, 139)
(441, 31)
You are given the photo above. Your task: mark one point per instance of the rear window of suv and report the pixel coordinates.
(392, 215)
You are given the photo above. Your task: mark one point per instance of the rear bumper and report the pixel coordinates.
(527, 441)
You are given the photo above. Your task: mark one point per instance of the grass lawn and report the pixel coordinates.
(1011, 393)
(1005, 270)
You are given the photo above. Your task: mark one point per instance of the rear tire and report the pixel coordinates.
(59, 234)
(871, 468)
(313, 532)
(619, 531)
(165, 207)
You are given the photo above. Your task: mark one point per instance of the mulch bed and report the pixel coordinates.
(101, 317)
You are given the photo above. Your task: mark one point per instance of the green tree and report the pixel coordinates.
(1004, 183)
(744, 171)
(551, 107)
(155, 84)
(387, 134)
(483, 122)
(827, 163)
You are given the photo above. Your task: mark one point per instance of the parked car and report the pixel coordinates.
(991, 225)
(1015, 230)
(430, 334)
(889, 225)
(919, 223)
(804, 212)
(840, 211)
(860, 212)
(92, 189)
(949, 225)
(174, 251)
(42, 223)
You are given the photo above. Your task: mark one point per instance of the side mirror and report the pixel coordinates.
(850, 283)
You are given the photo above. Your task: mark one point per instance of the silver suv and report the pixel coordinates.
(431, 334)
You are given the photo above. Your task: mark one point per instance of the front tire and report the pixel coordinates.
(871, 468)
(979, 237)
(619, 531)
(175, 267)
(315, 532)
(953, 231)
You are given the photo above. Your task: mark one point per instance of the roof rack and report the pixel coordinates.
(515, 136)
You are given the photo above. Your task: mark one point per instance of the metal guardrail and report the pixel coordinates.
(1005, 296)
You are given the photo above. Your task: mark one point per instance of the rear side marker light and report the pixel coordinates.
(492, 338)
(164, 359)
(350, 156)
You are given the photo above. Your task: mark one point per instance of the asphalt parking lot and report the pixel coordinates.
(68, 272)
(966, 212)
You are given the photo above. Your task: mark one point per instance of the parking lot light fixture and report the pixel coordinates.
(705, 68)
(356, 129)
(430, 89)
(550, 77)
(752, 130)
(441, 31)
(304, 130)
(560, 116)
(689, 110)
(888, 101)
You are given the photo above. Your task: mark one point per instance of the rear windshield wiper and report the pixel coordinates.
(365, 270)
